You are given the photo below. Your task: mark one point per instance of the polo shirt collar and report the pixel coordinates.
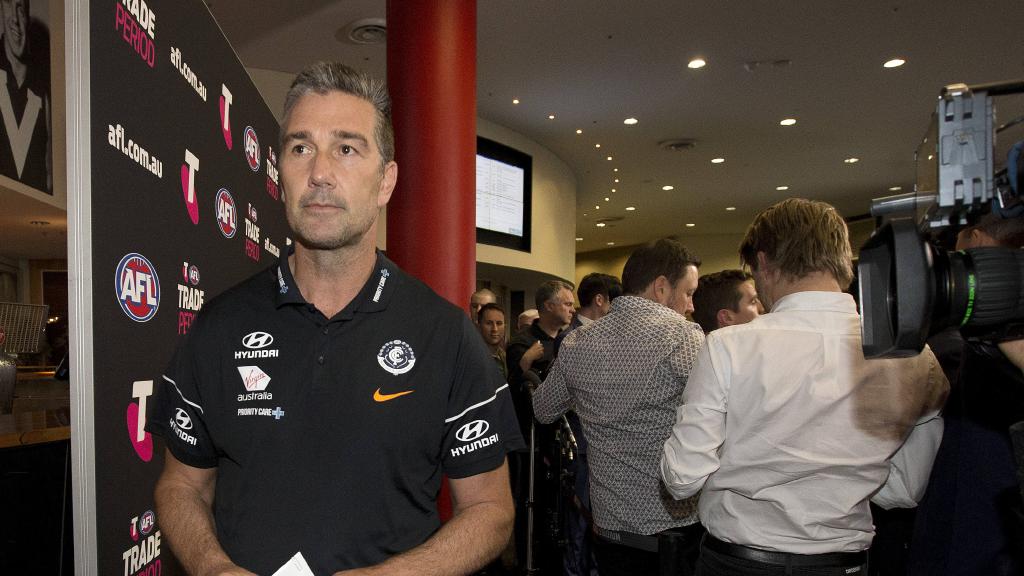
(373, 297)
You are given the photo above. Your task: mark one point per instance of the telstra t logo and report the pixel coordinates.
(225, 114)
(188, 185)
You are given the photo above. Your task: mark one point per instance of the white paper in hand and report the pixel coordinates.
(295, 567)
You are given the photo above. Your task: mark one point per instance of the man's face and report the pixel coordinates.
(492, 327)
(477, 301)
(15, 15)
(680, 296)
(331, 171)
(561, 306)
(749, 306)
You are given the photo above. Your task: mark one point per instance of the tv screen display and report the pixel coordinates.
(503, 195)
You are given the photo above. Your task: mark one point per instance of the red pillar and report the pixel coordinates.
(431, 231)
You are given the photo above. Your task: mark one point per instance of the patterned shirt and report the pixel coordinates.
(624, 375)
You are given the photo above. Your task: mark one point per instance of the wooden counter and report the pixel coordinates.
(36, 427)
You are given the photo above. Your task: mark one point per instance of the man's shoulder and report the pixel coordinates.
(257, 291)
(414, 297)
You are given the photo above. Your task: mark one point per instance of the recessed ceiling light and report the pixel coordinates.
(597, 145)
(668, 187)
(895, 188)
(616, 180)
(613, 190)
(609, 158)
(717, 160)
(585, 214)
(551, 116)
(787, 121)
(601, 224)
(611, 243)
(515, 100)
(696, 63)
(579, 131)
(894, 63)
(630, 208)
(630, 121)
(852, 160)
(690, 224)
(578, 239)
(607, 199)
(727, 208)
(615, 170)
(782, 188)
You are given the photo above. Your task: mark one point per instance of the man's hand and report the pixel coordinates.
(1014, 351)
(532, 354)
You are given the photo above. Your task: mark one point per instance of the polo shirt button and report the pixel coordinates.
(320, 359)
(325, 330)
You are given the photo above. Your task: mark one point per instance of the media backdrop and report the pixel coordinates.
(185, 203)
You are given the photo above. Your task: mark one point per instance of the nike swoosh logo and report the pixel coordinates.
(377, 396)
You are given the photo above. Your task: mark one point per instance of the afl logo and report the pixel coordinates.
(182, 420)
(396, 357)
(147, 522)
(137, 287)
(257, 340)
(193, 274)
(227, 215)
(472, 431)
(252, 149)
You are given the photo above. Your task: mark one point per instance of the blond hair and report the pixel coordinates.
(800, 237)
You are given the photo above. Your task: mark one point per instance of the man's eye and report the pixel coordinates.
(300, 149)
(346, 149)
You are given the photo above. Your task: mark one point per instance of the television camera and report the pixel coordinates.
(910, 285)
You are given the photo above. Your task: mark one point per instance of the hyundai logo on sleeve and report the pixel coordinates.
(472, 430)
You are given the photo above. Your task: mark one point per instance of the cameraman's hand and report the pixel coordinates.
(1014, 351)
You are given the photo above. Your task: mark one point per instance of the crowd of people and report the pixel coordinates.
(718, 424)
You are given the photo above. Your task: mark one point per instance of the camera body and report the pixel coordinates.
(910, 287)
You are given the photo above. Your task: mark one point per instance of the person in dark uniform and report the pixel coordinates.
(25, 98)
(314, 407)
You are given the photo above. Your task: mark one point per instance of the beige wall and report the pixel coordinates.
(553, 244)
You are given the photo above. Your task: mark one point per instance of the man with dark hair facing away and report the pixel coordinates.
(724, 299)
(624, 375)
(785, 425)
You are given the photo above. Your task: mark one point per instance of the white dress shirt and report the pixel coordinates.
(790, 431)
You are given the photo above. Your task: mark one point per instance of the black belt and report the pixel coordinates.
(784, 558)
(648, 543)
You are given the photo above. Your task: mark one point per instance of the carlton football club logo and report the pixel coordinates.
(225, 115)
(137, 287)
(227, 213)
(252, 149)
(188, 185)
(396, 357)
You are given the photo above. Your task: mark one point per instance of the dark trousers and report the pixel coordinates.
(713, 563)
(679, 547)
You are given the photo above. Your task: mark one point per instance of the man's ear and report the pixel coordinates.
(387, 183)
(662, 287)
(724, 317)
(600, 300)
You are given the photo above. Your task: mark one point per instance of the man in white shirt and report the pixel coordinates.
(787, 427)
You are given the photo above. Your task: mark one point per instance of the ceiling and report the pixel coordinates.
(594, 64)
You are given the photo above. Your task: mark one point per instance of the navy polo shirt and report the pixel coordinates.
(330, 436)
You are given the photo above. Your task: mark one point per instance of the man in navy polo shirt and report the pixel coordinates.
(315, 407)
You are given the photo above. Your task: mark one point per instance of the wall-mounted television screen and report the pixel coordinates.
(504, 190)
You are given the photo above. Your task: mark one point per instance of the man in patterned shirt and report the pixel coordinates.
(624, 376)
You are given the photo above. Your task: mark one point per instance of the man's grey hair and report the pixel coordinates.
(548, 290)
(325, 77)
